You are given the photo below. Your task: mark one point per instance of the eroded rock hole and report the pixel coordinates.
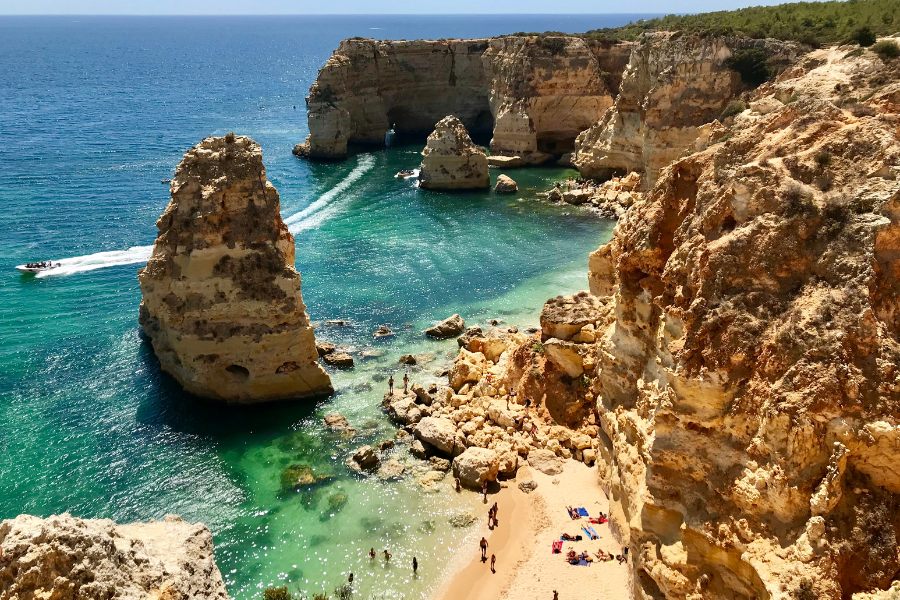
(238, 371)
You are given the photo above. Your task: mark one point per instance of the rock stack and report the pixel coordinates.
(221, 299)
(451, 161)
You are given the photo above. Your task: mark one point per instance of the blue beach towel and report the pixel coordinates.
(593, 533)
(588, 533)
(583, 512)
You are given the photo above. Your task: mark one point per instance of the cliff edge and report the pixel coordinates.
(221, 299)
(65, 557)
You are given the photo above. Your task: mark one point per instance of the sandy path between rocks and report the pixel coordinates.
(529, 524)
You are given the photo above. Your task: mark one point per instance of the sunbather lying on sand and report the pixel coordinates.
(570, 538)
(573, 513)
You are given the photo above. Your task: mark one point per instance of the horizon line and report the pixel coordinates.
(563, 14)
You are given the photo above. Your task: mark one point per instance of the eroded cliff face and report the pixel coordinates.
(65, 557)
(672, 89)
(544, 92)
(747, 383)
(221, 298)
(533, 95)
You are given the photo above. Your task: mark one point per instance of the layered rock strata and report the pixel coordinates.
(451, 161)
(221, 299)
(747, 386)
(533, 94)
(65, 557)
(674, 87)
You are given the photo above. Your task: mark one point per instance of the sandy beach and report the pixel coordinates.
(528, 525)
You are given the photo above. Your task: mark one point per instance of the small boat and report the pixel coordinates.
(37, 267)
(406, 173)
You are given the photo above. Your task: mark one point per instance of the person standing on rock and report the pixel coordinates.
(391, 385)
(405, 382)
(484, 547)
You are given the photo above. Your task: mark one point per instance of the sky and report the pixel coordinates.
(299, 7)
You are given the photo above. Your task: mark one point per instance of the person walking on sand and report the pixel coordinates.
(494, 510)
(484, 490)
(405, 382)
(555, 595)
(458, 487)
(415, 564)
(484, 547)
(493, 560)
(391, 385)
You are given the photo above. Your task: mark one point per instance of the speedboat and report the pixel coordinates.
(38, 267)
(406, 173)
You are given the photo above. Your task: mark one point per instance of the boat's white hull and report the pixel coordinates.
(24, 269)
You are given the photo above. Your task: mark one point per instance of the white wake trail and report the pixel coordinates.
(321, 209)
(100, 260)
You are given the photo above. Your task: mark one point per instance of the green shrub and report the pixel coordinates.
(277, 593)
(553, 45)
(886, 49)
(804, 591)
(823, 159)
(538, 348)
(735, 107)
(752, 64)
(864, 36)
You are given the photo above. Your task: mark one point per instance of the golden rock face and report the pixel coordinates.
(747, 386)
(221, 298)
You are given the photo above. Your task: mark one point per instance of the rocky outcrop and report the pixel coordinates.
(449, 327)
(747, 385)
(65, 557)
(476, 466)
(505, 185)
(674, 87)
(533, 93)
(451, 161)
(221, 299)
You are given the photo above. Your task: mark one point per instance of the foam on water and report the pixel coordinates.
(323, 208)
(100, 260)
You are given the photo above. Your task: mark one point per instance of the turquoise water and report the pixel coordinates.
(94, 113)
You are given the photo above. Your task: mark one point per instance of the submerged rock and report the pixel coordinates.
(451, 161)
(392, 469)
(299, 475)
(66, 557)
(221, 301)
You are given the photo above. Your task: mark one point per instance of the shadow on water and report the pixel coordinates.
(167, 404)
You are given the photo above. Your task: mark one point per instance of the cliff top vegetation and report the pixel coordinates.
(813, 23)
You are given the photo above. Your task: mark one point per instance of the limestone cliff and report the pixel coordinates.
(451, 161)
(65, 557)
(540, 92)
(673, 88)
(221, 299)
(746, 384)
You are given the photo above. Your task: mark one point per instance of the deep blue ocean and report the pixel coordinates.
(94, 113)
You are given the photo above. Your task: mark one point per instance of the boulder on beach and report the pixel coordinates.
(505, 185)
(507, 162)
(402, 408)
(471, 333)
(475, 466)
(545, 461)
(449, 327)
